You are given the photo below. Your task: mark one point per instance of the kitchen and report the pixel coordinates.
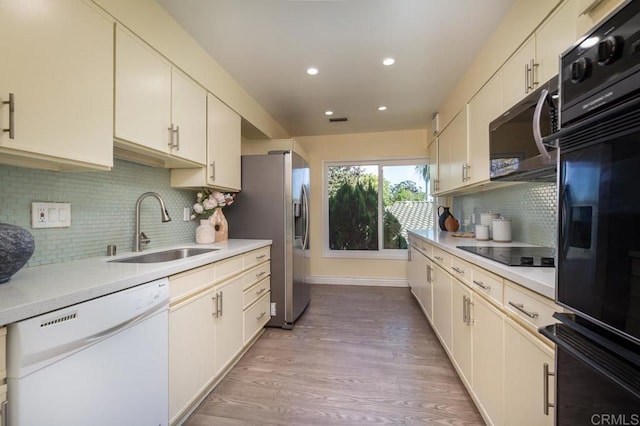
(115, 194)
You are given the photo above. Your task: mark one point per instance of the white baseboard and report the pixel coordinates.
(362, 281)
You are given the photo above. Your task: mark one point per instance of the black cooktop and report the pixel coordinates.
(516, 256)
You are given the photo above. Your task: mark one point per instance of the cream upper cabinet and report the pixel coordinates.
(516, 74)
(159, 111)
(525, 385)
(189, 118)
(433, 167)
(488, 359)
(462, 327)
(223, 145)
(537, 60)
(3, 374)
(484, 107)
(223, 152)
(555, 36)
(452, 152)
(56, 85)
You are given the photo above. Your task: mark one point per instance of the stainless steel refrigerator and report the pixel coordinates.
(274, 204)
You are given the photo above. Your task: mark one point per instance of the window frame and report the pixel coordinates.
(381, 253)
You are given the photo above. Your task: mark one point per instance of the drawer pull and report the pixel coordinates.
(261, 274)
(439, 258)
(482, 285)
(520, 307)
(458, 270)
(259, 317)
(262, 256)
(262, 290)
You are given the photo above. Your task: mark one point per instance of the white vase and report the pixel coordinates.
(205, 233)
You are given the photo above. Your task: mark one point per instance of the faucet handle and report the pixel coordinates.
(144, 239)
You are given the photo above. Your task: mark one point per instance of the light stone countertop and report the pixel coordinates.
(537, 279)
(40, 289)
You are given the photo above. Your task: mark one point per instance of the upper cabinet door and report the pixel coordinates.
(223, 145)
(516, 74)
(189, 118)
(143, 94)
(554, 37)
(483, 108)
(57, 61)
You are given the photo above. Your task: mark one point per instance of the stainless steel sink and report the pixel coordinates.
(165, 256)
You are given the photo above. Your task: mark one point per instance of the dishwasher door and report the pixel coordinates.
(101, 362)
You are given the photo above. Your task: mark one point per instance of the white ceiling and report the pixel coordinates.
(267, 45)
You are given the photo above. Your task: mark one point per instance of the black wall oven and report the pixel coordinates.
(598, 251)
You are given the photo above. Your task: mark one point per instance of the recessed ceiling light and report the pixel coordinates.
(328, 113)
(312, 71)
(388, 61)
(382, 108)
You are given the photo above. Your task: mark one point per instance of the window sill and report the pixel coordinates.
(399, 254)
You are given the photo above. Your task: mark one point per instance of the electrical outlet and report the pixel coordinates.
(186, 214)
(273, 309)
(50, 215)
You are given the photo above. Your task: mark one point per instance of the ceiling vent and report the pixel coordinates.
(338, 119)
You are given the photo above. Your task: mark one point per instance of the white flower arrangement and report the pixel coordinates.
(208, 201)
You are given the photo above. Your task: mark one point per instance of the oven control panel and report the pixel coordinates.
(603, 67)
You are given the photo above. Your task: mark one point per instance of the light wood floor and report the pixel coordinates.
(358, 355)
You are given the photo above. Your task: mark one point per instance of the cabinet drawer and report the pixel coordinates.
(487, 283)
(534, 311)
(228, 267)
(442, 258)
(461, 269)
(191, 281)
(252, 294)
(256, 274)
(256, 317)
(257, 256)
(3, 355)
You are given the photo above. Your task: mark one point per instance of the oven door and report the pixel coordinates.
(599, 222)
(596, 384)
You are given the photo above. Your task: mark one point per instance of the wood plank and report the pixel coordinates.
(358, 355)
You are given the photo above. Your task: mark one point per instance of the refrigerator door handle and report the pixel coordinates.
(305, 200)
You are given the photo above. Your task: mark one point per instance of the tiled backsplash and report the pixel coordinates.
(532, 208)
(102, 209)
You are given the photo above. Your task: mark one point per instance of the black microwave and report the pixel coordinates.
(516, 150)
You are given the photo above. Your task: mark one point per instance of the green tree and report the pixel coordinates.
(353, 217)
(393, 239)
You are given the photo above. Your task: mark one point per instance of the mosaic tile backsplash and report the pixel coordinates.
(102, 209)
(532, 208)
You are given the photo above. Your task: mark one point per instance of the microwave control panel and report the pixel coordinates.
(603, 67)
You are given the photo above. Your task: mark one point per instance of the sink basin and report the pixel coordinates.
(165, 256)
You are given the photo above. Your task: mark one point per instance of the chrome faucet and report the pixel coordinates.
(140, 238)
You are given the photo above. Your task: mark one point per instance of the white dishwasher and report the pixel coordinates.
(100, 362)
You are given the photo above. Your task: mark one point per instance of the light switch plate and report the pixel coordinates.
(50, 215)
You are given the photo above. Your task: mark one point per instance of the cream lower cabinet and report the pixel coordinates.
(488, 359)
(56, 85)
(3, 375)
(207, 324)
(462, 327)
(525, 385)
(442, 305)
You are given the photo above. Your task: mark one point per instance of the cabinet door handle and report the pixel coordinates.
(215, 303)
(545, 389)
(259, 317)
(464, 309)
(177, 146)
(174, 137)
(482, 285)
(520, 307)
(532, 68)
(262, 256)
(439, 258)
(429, 273)
(258, 293)
(526, 78)
(261, 274)
(220, 301)
(12, 120)
(469, 303)
(458, 270)
(212, 176)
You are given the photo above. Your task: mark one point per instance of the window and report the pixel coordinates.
(369, 206)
